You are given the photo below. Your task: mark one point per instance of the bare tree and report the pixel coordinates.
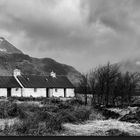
(84, 86)
(104, 82)
(130, 81)
(109, 86)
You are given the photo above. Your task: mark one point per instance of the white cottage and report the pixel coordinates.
(39, 86)
(9, 86)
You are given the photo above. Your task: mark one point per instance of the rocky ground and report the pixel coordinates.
(128, 124)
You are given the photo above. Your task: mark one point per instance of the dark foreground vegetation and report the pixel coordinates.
(46, 119)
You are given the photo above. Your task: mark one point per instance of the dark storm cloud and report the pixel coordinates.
(49, 27)
(73, 31)
(114, 14)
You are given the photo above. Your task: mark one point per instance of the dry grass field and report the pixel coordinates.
(53, 117)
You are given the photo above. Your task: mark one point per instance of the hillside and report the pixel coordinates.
(131, 65)
(6, 47)
(11, 58)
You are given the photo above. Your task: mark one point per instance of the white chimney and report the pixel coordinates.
(53, 74)
(17, 72)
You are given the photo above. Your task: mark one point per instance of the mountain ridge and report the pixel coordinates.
(130, 65)
(11, 58)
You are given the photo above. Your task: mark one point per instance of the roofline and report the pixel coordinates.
(49, 87)
(19, 82)
(10, 87)
(19, 86)
(24, 86)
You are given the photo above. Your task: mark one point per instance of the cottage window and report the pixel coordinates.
(35, 89)
(56, 89)
(16, 89)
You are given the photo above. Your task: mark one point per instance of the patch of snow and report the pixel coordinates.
(1, 39)
(3, 50)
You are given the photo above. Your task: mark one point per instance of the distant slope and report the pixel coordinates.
(131, 65)
(6, 47)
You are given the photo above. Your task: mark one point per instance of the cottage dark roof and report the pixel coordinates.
(8, 82)
(29, 81)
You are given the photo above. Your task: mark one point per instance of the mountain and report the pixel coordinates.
(6, 47)
(11, 58)
(131, 65)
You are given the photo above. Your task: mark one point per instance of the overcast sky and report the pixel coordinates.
(81, 33)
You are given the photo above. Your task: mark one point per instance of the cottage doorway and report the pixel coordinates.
(47, 92)
(65, 93)
(8, 92)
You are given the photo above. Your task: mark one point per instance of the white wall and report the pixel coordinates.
(3, 92)
(50, 93)
(40, 92)
(16, 92)
(58, 93)
(70, 92)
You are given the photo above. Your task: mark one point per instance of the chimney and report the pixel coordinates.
(17, 72)
(53, 74)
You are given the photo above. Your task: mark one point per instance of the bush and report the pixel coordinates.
(22, 114)
(45, 101)
(43, 116)
(76, 102)
(8, 109)
(8, 131)
(108, 113)
(11, 110)
(51, 108)
(132, 117)
(26, 98)
(55, 100)
(96, 115)
(29, 107)
(3, 110)
(51, 101)
(47, 120)
(66, 116)
(81, 115)
(26, 126)
(55, 122)
(65, 105)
